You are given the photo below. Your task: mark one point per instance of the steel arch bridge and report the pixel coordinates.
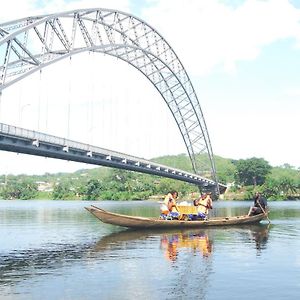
(32, 43)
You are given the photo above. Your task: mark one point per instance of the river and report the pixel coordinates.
(57, 250)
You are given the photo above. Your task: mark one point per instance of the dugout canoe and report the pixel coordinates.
(148, 223)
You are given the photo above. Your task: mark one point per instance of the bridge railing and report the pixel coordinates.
(48, 138)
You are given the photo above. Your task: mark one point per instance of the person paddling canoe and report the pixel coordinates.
(169, 207)
(260, 205)
(204, 203)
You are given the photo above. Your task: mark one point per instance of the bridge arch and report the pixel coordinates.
(32, 43)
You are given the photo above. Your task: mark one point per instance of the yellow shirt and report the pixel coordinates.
(204, 205)
(169, 198)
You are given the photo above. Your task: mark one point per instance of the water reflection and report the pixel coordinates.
(172, 242)
(196, 241)
(21, 264)
(202, 241)
(260, 235)
(125, 238)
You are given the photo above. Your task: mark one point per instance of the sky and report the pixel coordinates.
(243, 58)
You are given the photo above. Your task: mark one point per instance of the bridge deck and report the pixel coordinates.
(20, 140)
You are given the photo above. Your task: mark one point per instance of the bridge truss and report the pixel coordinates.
(32, 43)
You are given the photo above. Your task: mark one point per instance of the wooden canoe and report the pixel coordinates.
(147, 223)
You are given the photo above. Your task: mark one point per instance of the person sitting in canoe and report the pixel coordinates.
(204, 203)
(169, 207)
(260, 205)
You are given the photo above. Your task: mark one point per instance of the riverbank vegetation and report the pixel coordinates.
(243, 178)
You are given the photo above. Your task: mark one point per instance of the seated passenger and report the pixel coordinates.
(204, 203)
(169, 207)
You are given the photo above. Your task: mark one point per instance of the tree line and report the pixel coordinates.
(256, 174)
(243, 177)
(96, 184)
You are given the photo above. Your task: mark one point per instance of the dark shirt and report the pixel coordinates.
(262, 200)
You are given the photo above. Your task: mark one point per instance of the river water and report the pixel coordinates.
(57, 250)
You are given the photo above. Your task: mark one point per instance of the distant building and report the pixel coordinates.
(44, 186)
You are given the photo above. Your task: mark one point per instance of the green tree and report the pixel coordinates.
(62, 190)
(282, 183)
(92, 190)
(252, 171)
(225, 169)
(19, 189)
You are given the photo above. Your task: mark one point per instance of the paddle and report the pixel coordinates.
(263, 211)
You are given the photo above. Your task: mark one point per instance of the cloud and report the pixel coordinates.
(208, 34)
(15, 9)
